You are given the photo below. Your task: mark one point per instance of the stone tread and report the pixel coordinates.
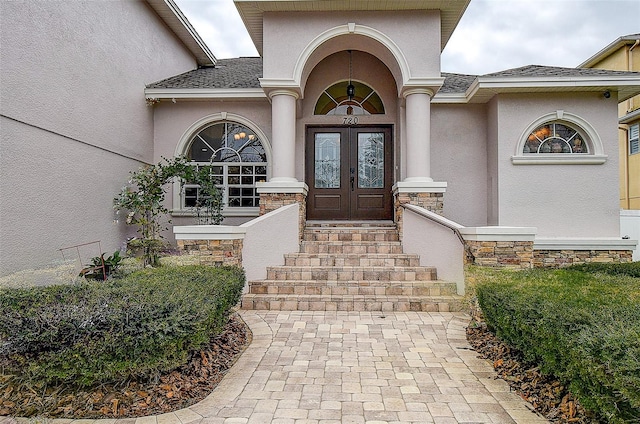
(352, 273)
(351, 259)
(387, 288)
(451, 303)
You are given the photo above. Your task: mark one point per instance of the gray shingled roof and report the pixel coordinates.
(555, 71)
(241, 72)
(456, 83)
(244, 72)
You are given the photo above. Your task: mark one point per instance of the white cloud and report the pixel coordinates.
(493, 35)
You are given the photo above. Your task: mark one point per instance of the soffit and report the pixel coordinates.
(177, 22)
(252, 11)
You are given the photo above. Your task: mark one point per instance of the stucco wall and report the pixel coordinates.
(417, 34)
(77, 70)
(459, 157)
(493, 195)
(176, 123)
(560, 200)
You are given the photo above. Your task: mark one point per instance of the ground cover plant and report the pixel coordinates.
(135, 327)
(581, 325)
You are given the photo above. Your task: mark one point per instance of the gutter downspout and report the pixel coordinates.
(625, 163)
(630, 103)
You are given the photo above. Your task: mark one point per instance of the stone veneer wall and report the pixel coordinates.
(508, 254)
(562, 258)
(272, 201)
(214, 252)
(433, 202)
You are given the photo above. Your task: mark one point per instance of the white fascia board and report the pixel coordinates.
(630, 117)
(598, 243)
(204, 93)
(497, 84)
(449, 98)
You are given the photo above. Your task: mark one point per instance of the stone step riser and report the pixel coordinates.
(341, 261)
(336, 273)
(327, 290)
(339, 248)
(349, 236)
(317, 303)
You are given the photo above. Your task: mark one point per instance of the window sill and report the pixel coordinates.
(227, 212)
(559, 159)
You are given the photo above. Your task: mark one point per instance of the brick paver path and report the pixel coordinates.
(307, 367)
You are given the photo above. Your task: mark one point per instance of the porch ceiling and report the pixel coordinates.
(252, 11)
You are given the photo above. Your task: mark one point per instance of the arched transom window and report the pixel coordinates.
(238, 160)
(335, 101)
(555, 137)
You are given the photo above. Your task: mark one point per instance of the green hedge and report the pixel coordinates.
(137, 326)
(582, 327)
(631, 269)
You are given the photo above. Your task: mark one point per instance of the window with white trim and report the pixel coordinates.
(634, 143)
(237, 158)
(559, 138)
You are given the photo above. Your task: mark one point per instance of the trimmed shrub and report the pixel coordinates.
(582, 328)
(631, 269)
(134, 327)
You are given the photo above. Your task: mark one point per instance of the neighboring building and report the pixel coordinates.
(624, 55)
(346, 112)
(73, 118)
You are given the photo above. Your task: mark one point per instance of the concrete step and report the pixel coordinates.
(348, 247)
(379, 288)
(352, 303)
(351, 259)
(352, 273)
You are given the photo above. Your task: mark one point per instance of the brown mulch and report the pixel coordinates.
(178, 389)
(547, 395)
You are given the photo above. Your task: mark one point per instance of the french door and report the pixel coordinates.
(349, 173)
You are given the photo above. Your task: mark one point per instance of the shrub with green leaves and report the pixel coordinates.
(138, 326)
(582, 327)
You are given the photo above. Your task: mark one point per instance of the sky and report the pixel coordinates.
(493, 35)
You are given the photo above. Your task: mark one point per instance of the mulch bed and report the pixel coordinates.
(178, 389)
(547, 395)
(194, 381)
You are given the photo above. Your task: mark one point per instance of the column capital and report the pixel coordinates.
(408, 91)
(283, 92)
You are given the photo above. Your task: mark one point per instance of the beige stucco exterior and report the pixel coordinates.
(74, 121)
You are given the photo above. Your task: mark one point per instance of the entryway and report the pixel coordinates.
(349, 172)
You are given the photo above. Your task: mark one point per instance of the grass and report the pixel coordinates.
(580, 324)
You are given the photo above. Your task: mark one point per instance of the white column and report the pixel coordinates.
(283, 140)
(418, 135)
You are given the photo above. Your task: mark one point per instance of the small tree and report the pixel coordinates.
(209, 203)
(144, 197)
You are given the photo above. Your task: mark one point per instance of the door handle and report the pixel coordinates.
(353, 179)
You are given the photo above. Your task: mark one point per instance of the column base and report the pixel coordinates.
(425, 194)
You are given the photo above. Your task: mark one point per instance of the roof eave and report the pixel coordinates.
(630, 117)
(205, 93)
(171, 14)
(483, 89)
(608, 50)
(252, 12)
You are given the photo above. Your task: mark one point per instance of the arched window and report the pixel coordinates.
(559, 138)
(555, 137)
(237, 158)
(335, 101)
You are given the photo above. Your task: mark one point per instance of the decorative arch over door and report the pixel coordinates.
(335, 101)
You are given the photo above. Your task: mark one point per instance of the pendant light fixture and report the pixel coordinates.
(351, 90)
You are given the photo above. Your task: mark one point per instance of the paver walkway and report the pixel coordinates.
(307, 367)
